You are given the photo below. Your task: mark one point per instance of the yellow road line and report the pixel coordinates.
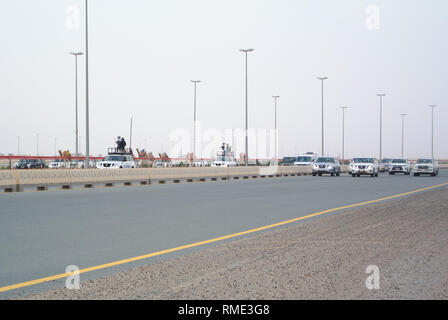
(158, 253)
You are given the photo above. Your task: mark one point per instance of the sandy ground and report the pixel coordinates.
(319, 258)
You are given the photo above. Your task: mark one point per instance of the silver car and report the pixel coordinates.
(364, 166)
(426, 166)
(326, 165)
(400, 166)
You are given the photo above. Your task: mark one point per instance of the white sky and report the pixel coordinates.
(144, 53)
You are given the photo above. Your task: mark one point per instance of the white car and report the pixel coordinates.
(426, 166)
(226, 163)
(306, 159)
(326, 165)
(56, 164)
(400, 166)
(363, 166)
(384, 165)
(116, 162)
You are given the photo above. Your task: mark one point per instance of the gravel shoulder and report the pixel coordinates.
(319, 258)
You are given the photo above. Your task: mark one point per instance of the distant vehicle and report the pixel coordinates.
(36, 163)
(22, 164)
(288, 161)
(116, 162)
(384, 165)
(56, 164)
(426, 166)
(326, 165)
(224, 157)
(306, 159)
(201, 163)
(400, 166)
(363, 166)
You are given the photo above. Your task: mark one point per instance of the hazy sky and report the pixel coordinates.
(143, 54)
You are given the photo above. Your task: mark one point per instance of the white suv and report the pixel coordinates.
(426, 166)
(306, 159)
(400, 166)
(364, 166)
(116, 162)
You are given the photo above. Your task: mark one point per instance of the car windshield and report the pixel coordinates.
(399, 161)
(289, 159)
(325, 160)
(386, 161)
(304, 159)
(114, 158)
(424, 161)
(363, 160)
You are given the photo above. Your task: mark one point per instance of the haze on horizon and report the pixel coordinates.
(143, 55)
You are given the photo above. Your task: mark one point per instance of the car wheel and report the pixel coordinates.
(320, 174)
(314, 174)
(353, 175)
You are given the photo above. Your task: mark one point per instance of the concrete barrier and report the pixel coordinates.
(31, 178)
(18, 180)
(161, 175)
(295, 170)
(8, 181)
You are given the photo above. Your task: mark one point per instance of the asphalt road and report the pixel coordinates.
(44, 232)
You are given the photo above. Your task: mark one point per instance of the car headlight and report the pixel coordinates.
(330, 167)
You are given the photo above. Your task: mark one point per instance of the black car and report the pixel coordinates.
(36, 163)
(288, 161)
(30, 164)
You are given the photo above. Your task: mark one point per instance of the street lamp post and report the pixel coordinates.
(322, 79)
(87, 164)
(275, 125)
(37, 143)
(76, 54)
(381, 95)
(195, 82)
(246, 160)
(343, 131)
(402, 133)
(432, 129)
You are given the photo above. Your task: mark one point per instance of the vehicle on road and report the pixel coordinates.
(116, 161)
(56, 164)
(385, 165)
(364, 166)
(400, 166)
(224, 157)
(426, 166)
(326, 165)
(288, 161)
(22, 164)
(305, 159)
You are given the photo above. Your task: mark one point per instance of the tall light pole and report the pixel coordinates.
(76, 54)
(195, 82)
(381, 95)
(87, 164)
(37, 144)
(432, 106)
(322, 79)
(275, 124)
(343, 131)
(246, 160)
(402, 133)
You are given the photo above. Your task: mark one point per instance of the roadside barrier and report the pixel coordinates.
(7, 181)
(18, 180)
